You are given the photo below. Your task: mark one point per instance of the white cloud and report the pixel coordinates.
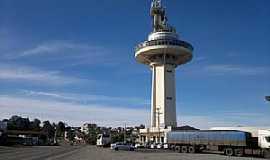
(62, 47)
(86, 98)
(221, 69)
(34, 93)
(106, 115)
(24, 73)
(199, 59)
(229, 119)
(60, 53)
(72, 113)
(243, 114)
(202, 122)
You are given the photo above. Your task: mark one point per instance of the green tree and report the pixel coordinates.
(35, 124)
(60, 129)
(91, 137)
(117, 137)
(19, 123)
(48, 129)
(71, 135)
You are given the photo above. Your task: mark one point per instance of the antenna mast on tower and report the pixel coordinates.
(156, 3)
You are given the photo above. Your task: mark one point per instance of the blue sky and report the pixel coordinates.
(74, 61)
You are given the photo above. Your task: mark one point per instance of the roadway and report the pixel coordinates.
(94, 153)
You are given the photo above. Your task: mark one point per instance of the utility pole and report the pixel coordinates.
(55, 135)
(125, 134)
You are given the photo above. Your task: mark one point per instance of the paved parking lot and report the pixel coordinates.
(94, 153)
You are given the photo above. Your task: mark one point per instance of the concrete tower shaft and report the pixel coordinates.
(163, 52)
(163, 110)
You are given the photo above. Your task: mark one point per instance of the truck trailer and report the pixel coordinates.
(230, 142)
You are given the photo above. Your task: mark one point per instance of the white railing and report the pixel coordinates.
(164, 42)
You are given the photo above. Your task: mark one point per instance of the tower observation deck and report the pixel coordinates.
(163, 51)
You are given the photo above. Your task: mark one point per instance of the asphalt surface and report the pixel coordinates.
(94, 153)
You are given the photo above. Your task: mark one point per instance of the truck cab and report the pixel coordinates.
(103, 140)
(264, 139)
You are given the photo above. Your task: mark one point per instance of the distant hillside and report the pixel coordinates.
(185, 128)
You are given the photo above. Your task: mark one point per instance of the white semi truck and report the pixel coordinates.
(231, 141)
(261, 135)
(103, 140)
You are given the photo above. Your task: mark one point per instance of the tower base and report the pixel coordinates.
(153, 135)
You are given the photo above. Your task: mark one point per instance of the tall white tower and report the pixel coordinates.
(163, 52)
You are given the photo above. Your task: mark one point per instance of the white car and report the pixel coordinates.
(159, 146)
(138, 145)
(153, 146)
(165, 146)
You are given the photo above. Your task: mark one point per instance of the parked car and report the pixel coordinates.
(139, 145)
(122, 146)
(147, 145)
(153, 146)
(165, 146)
(159, 146)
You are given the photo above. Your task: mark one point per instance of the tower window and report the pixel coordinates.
(169, 98)
(170, 71)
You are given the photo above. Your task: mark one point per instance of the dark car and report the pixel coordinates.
(122, 146)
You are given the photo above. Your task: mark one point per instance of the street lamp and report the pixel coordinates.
(267, 98)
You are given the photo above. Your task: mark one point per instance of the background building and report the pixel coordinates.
(86, 127)
(3, 126)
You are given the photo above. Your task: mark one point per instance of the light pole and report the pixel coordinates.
(125, 141)
(158, 114)
(55, 135)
